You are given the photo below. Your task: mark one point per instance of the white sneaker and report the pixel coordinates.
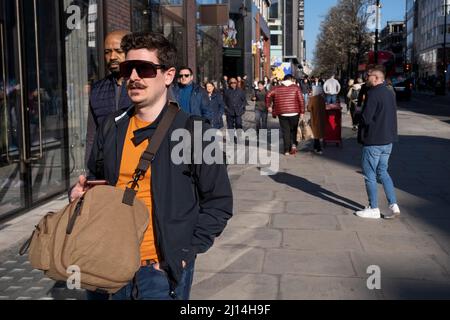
(369, 213)
(395, 212)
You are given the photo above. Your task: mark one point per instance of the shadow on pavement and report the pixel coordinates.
(60, 292)
(429, 105)
(420, 169)
(315, 190)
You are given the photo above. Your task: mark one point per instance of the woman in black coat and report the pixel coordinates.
(216, 106)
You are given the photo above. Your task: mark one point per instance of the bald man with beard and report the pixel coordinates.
(109, 94)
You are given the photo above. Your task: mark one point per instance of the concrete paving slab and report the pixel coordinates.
(252, 179)
(273, 206)
(443, 239)
(280, 261)
(254, 195)
(400, 243)
(410, 266)
(444, 261)
(318, 178)
(235, 286)
(258, 186)
(326, 288)
(231, 259)
(9, 239)
(308, 222)
(354, 223)
(416, 290)
(306, 196)
(308, 208)
(321, 240)
(249, 220)
(428, 226)
(260, 238)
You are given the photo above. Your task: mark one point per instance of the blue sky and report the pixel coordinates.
(315, 10)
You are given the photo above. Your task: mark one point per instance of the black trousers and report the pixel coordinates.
(234, 122)
(353, 113)
(289, 127)
(317, 145)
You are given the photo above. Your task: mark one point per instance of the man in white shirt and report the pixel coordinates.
(332, 88)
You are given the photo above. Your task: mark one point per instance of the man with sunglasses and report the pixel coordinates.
(107, 95)
(235, 101)
(191, 97)
(189, 205)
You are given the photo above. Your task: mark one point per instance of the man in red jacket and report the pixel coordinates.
(287, 103)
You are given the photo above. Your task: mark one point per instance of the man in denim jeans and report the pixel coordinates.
(188, 205)
(379, 132)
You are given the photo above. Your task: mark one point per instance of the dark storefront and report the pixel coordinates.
(49, 56)
(51, 52)
(233, 51)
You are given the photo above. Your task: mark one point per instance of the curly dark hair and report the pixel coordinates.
(166, 51)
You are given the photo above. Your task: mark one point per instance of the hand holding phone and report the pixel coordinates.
(94, 183)
(83, 186)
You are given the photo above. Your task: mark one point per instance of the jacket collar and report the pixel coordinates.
(147, 132)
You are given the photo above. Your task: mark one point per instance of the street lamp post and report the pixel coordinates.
(377, 30)
(445, 46)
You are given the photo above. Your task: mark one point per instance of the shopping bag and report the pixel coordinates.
(299, 133)
(306, 130)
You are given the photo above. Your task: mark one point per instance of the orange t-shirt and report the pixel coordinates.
(130, 160)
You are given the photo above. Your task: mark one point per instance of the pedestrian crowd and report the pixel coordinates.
(146, 97)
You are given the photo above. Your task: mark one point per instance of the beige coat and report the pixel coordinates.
(316, 106)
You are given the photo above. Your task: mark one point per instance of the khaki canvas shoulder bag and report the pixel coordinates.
(101, 233)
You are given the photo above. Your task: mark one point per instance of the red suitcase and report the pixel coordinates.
(333, 125)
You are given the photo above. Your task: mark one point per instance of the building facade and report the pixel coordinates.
(246, 49)
(287, 24)
(261, 42)
(392, 38)
(411, 24)
(429, 36)
(51, 53)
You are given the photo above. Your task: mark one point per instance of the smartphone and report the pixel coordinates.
(94, 183)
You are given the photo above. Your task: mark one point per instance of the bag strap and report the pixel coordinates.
(150, 153)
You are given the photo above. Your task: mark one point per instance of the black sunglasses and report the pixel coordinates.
(185, 76)
(144, 69)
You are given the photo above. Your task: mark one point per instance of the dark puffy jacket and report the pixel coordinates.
(102, 103)
(379, 118)
(285, 100)
(235, 102)
(260, 100)
(199, 100)
(216, 109)
(306, 87)
(187, 219)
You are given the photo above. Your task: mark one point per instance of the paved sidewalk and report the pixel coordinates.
(294, 235)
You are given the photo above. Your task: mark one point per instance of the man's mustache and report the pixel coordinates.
(136, 85)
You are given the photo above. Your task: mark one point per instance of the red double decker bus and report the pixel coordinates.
(385, 58)
(394, 71)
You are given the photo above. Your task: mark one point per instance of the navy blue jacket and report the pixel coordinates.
(235, 102)
(199, 101)
(102, 103)
(216, 108)
(379, 118)
(187, 218)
